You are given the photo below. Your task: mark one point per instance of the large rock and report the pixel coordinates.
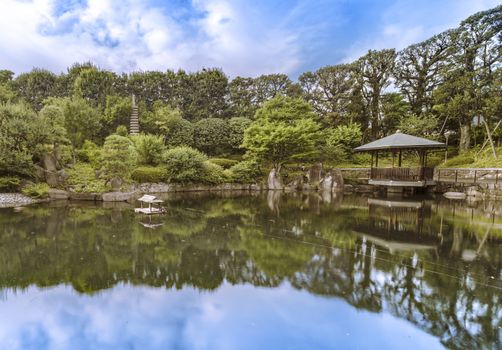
(454, 195)
(39, 172)
(49, 162)
(274, 181)
(77, 196)
(296, 184)
(332, 181)
(118, 196)
(56, 194)
(314, 175)
(52, 178)
(116, 183)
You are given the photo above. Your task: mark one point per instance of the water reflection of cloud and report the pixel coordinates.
(233, 317)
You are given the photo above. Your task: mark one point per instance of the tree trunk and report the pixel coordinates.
(465, 137)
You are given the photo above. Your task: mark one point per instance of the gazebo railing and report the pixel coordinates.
(402, 174)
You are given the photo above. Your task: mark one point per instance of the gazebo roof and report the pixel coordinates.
(399, 141)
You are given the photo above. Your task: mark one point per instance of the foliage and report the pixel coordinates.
(247, 171)
(149, 148)
(284, 129)
(184, 164)
(23, 134)
(81, 121)
(337, 143)
(223, 162)
(211, 135)
(418, 125)
(90, 153)
(122, 130)
(180, 134)
(117, 113)
(36, 190)
(161, 120)
(82, 178)
(149, 174)
(36, 86)
(119, 156)
(9, 184)
(236, 128)
(214, 174)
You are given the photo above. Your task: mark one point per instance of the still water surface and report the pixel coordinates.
(267, 271)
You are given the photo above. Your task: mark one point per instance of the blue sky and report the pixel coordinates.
(243, 37)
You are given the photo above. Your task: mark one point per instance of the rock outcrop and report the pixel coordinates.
(274, 181)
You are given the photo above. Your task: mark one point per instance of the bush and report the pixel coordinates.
(214, 174)
(119, 157)
(90, 153)
(9, 184)
(184, 164)
(223, 162)
(180, 134)
(38, 190)
(460, 160)
(149, 148)
(247, 171)
(122, 130)
(211, 135)
(149, 174)
(82, 178)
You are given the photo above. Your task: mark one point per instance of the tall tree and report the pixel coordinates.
(477, 51)
(329, 90)
(417, 70)
(35, 86)
(374, 73)
(284, 129)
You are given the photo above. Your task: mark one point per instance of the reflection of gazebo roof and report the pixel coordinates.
(395, 204)
(399, 141)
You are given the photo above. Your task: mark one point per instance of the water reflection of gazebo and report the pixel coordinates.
(399, 225)
(401, 177)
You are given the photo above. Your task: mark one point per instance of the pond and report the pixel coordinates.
(264, 271)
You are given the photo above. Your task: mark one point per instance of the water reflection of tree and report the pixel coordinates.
(308, 241)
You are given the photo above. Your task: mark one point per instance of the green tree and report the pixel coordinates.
(149, 148)
(36, 86)
(284, 130)
(184, 164)
(81, 121)
(236, 128)
(119, 157)
(211, 135)
(374, 71)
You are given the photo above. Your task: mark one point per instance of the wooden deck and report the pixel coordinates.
(402, 177)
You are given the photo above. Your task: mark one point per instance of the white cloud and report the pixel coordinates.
(131, 35)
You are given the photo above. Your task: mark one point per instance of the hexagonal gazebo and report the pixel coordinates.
(401, 177)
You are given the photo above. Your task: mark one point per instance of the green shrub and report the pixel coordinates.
(119, 157)
(184, 164)
(247, 171)
(82, 178)
(149, 174)
(214, 174)
(90, 153)
(149, 148)
(460, 160)
(9, 184)
(38, 190)
(223, 162)
(122, 130)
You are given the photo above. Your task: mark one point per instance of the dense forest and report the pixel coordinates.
(450, 84)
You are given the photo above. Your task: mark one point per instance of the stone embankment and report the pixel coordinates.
(9, 200)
